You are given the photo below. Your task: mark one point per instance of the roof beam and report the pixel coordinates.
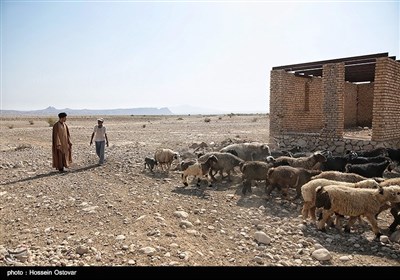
(318, 64)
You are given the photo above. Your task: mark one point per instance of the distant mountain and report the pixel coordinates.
(187, 109)
(82, 112)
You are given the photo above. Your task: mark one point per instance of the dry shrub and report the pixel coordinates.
(10, 126)
(207, 119)
(51, 121)
(31, 122)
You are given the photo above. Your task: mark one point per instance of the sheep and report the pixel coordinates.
(340, 176)
(335, 163)
(249, 151)
(150, 163)
(363, 160)
(186, 163)
(165, 157)
(369, 170)
(226, 163)
(303, 162)
(371, 153)
(289, 153)
(395, 207)
(199, 170)
(308, 193)
(354, 202)
(254, 170)
(286, 177)
(393, 154)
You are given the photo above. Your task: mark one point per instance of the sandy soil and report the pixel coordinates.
(120, 214)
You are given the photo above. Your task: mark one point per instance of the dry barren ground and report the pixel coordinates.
(121, 215)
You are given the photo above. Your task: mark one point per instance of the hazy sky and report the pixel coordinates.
(213, 54)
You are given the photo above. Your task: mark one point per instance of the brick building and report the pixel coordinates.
(313, 104)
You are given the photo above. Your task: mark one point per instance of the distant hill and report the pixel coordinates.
(187, 109)
(51, 111)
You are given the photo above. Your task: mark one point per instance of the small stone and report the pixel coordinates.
(321, 254)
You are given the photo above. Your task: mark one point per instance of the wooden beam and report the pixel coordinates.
(318, 64)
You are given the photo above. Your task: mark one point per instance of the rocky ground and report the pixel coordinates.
(119, 214)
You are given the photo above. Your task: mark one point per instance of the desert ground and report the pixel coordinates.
(119, 214)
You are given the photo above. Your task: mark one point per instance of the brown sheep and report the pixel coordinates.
(285, 177)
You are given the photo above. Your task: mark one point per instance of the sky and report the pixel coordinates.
(209, 54)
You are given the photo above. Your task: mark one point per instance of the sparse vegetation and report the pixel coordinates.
(51, 121)
(207, 119)
(220, 118)
(254, 119)
(180, 119)
(31, 122)
(10, 126)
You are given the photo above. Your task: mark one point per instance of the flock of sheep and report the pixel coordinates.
(332, 187)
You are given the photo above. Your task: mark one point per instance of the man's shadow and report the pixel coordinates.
(52, 173)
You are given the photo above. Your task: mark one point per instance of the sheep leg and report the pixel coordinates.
(209, 182)
(246, 187)
(325, 216)
(338, 223)
(212, 175)
(396, 220)
(305, 210)
(374, 224)
(395, 212)
(184, 180)
(312, 213)
(350, 223)
(269, 188)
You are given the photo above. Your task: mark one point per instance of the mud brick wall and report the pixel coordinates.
(386, 108)
(295, 103)
(365, 94)
(303, 109)
(333, 88)
(350, 105)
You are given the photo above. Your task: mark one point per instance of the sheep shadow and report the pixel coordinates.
(274, 204)
(360, 241)
(156, 174)
(193, 190)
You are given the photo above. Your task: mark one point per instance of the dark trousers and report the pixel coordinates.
(100, 145)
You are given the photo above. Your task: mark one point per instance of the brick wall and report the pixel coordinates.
(323, 106)
(386, 103)
(333, 87)
(365, 102)
(295, 103)
(350, 105)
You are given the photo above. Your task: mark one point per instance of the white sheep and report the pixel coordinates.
(199, 170)
(354, 202)
(340, 176)
(308, 193)
(303, 162)
(165, 157)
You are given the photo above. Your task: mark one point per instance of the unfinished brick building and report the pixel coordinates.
(313, 105)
